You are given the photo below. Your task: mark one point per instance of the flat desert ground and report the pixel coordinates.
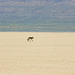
(50, 53)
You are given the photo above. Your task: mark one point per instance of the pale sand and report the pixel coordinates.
(48, 54)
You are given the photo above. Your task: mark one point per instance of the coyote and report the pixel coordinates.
(30, 38)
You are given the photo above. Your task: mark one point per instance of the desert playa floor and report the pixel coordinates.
(48, 54)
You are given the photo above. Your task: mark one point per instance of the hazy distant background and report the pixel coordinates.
(37, 15)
